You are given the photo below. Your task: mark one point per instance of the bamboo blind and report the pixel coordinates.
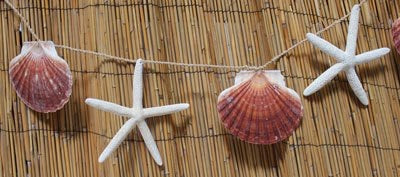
(338, 136)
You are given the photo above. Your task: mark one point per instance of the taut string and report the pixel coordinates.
(129, 60)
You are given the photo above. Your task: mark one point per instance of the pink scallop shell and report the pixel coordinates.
(259, 108)
(40, 77)
(396, 34)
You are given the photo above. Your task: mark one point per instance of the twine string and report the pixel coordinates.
(129, 60)
(23, 19)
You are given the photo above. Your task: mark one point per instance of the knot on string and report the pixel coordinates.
(259, 68)
(249, 68)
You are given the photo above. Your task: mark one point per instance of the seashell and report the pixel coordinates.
(259, 108)
(396, 34)
(40, 77)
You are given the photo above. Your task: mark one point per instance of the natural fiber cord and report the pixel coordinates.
(245, 67)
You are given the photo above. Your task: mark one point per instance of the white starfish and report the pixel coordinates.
(347, 59)
(137, 116)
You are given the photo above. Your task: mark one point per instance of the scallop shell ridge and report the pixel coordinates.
(259, 108)
(396, 34)
(41, 79)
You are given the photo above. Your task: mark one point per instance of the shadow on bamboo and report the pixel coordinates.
(246, 154)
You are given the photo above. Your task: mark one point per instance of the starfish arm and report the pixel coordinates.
(370, 55)
(326, 47)
(109, 107)
(351, 44)
(163, 110)
(323, 79)
(149, 141)
(117, 139)
(356, 86)
(138, 85)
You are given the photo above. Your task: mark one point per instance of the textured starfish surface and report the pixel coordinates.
(347, 60)
(137, 115)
